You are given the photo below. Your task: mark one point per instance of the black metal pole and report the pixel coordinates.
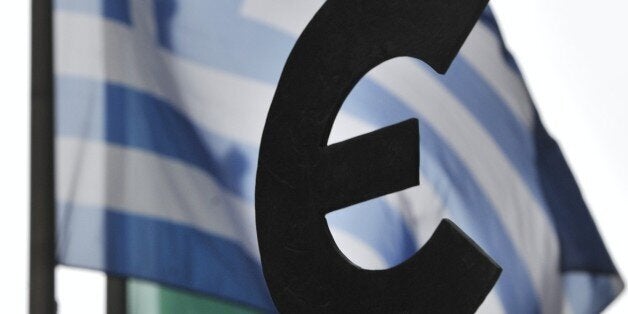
(116, 295)
(42, 234)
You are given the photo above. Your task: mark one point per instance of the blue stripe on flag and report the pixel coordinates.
(185, 257)
(224, 40)
(582, 247)
(117, 10)
(78, 236)
(590, 293)
(78, 108)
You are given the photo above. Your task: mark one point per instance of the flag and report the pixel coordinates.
(160, 107)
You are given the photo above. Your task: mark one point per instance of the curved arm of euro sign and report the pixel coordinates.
(300, 178)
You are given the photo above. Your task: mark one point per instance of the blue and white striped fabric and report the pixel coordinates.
(160, 109)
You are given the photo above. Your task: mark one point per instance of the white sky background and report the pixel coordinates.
(573, 54)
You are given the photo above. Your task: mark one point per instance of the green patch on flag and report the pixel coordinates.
(150, 298)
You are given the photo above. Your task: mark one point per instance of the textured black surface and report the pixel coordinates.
(300, 178)
(42, 197)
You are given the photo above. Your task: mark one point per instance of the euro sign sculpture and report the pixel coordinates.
(300, 178)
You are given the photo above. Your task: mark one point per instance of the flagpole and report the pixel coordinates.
(116, 295)
(42, 228)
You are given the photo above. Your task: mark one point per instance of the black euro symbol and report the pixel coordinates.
(300, 178)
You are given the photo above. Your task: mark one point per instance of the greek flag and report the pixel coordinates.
(160, 107)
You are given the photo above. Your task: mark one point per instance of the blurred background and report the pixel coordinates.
(572, 54)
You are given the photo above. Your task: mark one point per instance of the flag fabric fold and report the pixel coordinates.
(160, 107)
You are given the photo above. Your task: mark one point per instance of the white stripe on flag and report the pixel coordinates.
(357, 251)
(491, 305)
(289, 16)
(483, 51)
(421, 209)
